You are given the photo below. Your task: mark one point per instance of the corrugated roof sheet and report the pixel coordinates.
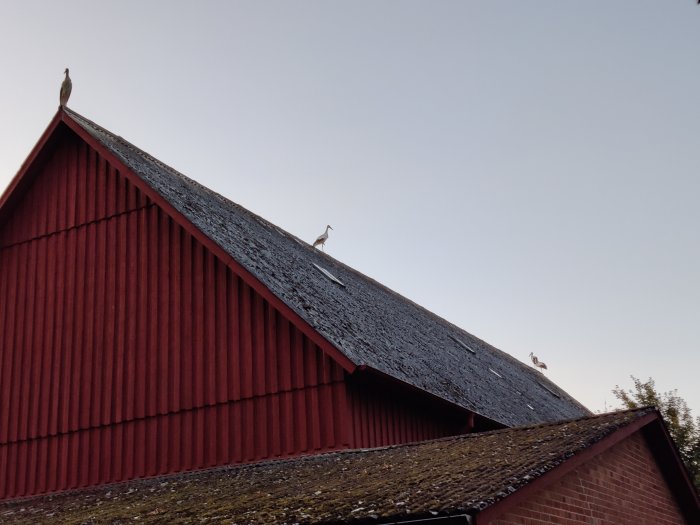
(363, 319)
(434, 478)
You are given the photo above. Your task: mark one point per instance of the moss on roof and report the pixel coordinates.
(438, 477)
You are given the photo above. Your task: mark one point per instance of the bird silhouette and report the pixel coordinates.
(66, 88)
(321, 240)
(537, 362)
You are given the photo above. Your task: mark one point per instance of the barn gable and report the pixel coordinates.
(128, 349)
(369, 325)
(132, 345)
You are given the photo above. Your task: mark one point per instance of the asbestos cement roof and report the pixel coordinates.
(444, 477)
(363, 319)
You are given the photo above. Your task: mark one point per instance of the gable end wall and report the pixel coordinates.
(127, 349)
(622, 486)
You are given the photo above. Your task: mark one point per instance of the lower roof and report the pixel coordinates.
(444, 477)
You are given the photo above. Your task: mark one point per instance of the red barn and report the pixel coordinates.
(149, 326)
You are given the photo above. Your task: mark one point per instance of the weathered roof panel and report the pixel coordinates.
(363, 319)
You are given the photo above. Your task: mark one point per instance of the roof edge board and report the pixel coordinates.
(335, 353)
(673, 469)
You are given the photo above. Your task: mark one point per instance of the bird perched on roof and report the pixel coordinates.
(322, 238)
(66, 88)
(537, 362)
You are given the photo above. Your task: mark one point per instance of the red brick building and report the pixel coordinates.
(150, 326)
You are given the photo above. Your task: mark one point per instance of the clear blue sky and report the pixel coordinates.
(527, 170)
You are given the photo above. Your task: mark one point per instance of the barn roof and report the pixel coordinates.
(371, 325)
(445, 477)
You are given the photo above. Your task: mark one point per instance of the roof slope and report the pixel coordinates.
(364, 320)
(464, 474)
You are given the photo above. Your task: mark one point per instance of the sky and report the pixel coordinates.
(526, 170)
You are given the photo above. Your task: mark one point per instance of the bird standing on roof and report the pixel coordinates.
(322, 238)
(66, 88)
(537, 362)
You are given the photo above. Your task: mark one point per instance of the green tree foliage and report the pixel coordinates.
(684, 430)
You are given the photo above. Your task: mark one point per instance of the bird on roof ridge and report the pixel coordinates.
(321, 240)
(539, 364)
(66, 88)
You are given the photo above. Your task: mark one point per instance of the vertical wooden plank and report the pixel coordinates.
(176, 322)
(51, 189)
(87, 377)
(4, 470)
(117, 458)
(187, 365)
(164, 316)
(311, 387)
(5, 352)
(97, 340)
(275, 444)
(300, 414)
(162, 441)
(175, 442)
(8, 338)
(125, 255)
(153, 382)
(141, 349)
(260, 426)
(285, 370)
(20, 357)
(246, 343)
(58, 352)
(42, 466)
(25, 349)
(198, 323)
(79, 317)
(200, 442)
(38, 315)
(109, 338)
(106, 454)
(258, 345)
(48, 350)
(101, 187)
(90, 183)
(221, 342)
(233, 336)
(128, 449)
(210, 349)
(132, 323)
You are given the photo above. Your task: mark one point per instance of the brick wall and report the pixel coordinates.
(619, 487)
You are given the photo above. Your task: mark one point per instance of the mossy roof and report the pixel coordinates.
(441, 477)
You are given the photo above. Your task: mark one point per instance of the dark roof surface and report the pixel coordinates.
(434, 478)
(364, 320)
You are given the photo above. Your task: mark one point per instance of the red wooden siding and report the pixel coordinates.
(127, 349)
(383, 414)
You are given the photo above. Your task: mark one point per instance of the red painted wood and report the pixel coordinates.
(129, 348)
